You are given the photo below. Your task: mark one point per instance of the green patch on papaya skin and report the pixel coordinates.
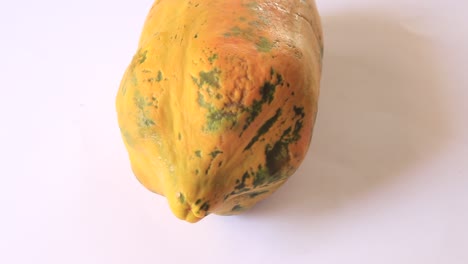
(141, 56)
(251, 5)
(212, 58)
(264, 45)
(134, 80)
(209, 78)
(202, 102)
(215, 118)
(159, 77)
(181, 197)
(218, 118)
(144, 121)
(128, 138)
(245, 33)
(139, 100)
(179, 136)
(264, 129)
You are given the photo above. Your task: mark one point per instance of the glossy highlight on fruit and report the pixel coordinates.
(218, 105)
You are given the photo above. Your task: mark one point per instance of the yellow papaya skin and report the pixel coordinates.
(218, 105)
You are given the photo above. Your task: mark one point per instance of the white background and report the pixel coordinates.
(385, 181)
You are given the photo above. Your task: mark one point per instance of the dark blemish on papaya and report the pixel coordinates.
(299, 111)
(237, 208)
(241, 184)
(142, 57)
(215, 153)
(198, 201)
(198, 153)
(267, 92)
(196, 36)
(205, 207)
(264, 128)
(159, 77)
(255, 194)
(261, 176)
(277, 157)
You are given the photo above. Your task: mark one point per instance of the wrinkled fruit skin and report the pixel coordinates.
(218, 105)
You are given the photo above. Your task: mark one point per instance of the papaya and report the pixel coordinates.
(218, 104)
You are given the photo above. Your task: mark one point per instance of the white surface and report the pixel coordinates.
(385, 181)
